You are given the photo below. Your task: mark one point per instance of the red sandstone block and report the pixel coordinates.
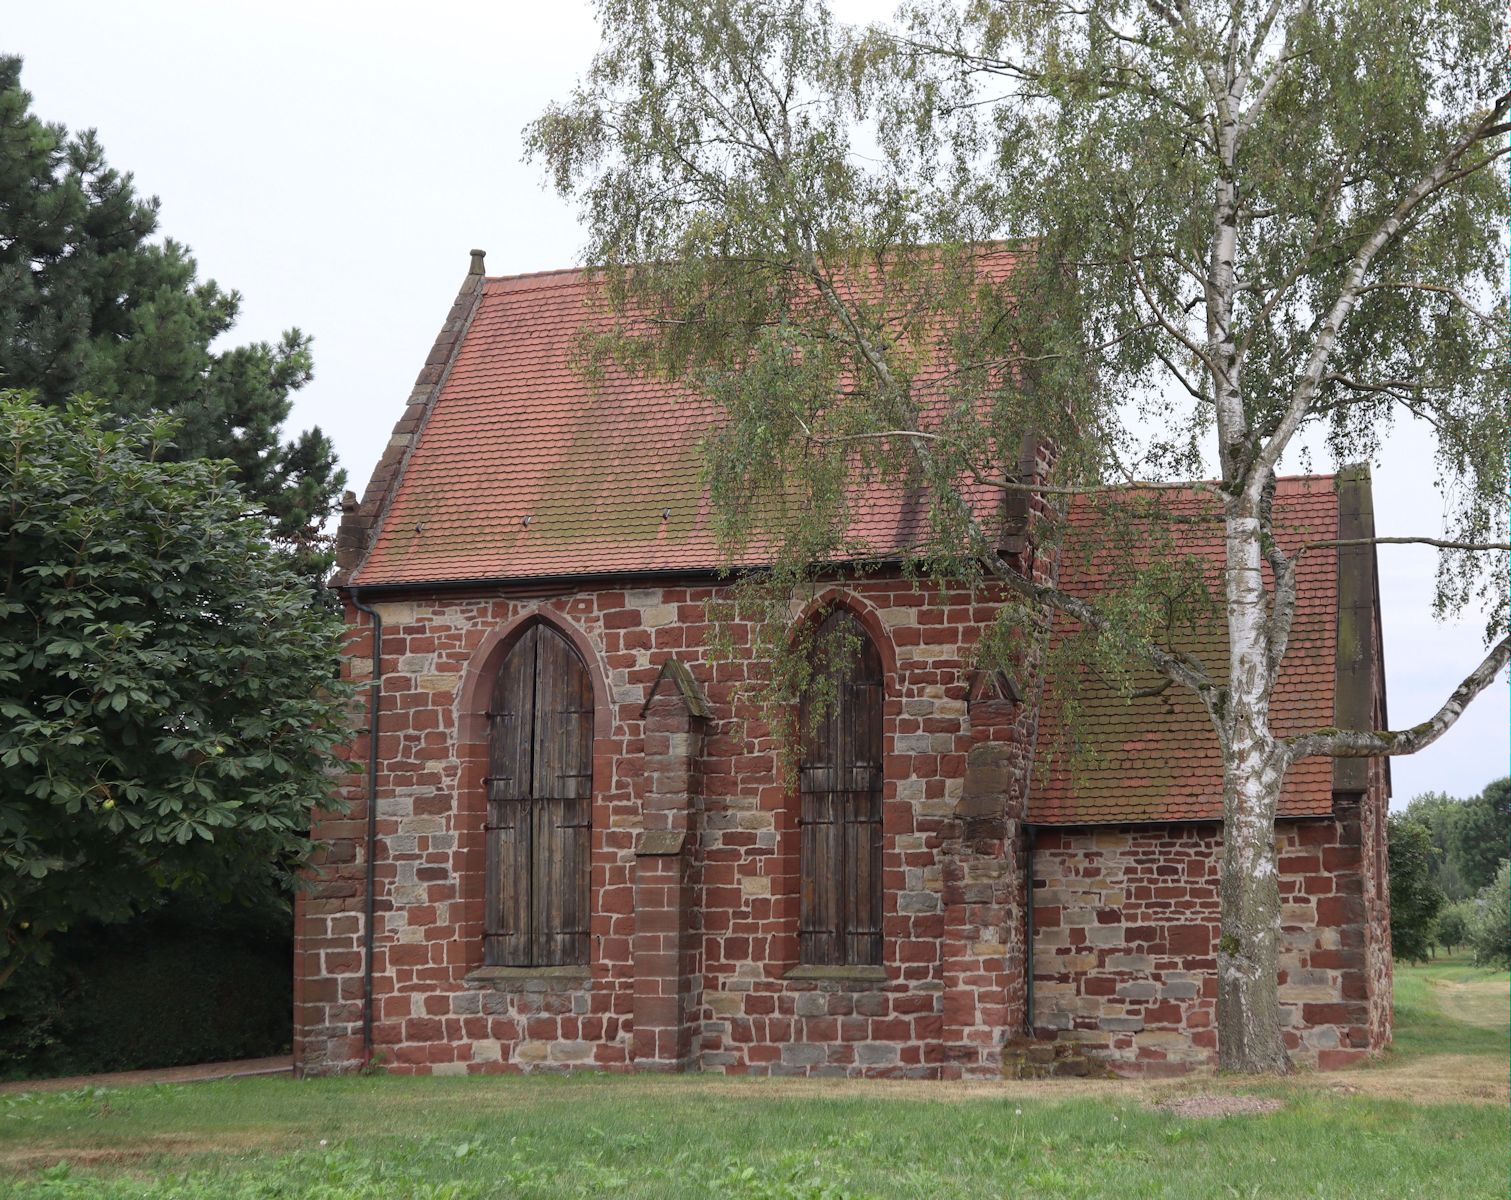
(423, 1029)
(342, 962)
(1332, 1060)
(959, 1008)
(406, 955)
(619, 900)
(1333, 1014)
(1340, 858)
(1319, 833)
(1189, 939)
(1340, 910)
(320, 991)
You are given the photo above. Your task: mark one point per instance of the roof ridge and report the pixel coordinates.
(555, 271)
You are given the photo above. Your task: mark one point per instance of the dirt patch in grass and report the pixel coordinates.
(1482, 1002)
(20, 1159)
(1422, 1079)
(1427, 1079)
(1208, 1104)
(282, 1064)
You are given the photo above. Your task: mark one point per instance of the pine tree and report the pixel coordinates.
(89, 302)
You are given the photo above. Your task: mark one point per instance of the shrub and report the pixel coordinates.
(1454, 924)
(191, 982)
(169, 696)
(1490, 933)
(1415, 899)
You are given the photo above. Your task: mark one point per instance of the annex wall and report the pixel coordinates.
(1126, 923)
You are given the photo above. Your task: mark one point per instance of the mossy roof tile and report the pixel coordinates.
(1156, 758)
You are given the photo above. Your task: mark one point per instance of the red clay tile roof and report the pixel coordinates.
(1156, 758)
(524, 470)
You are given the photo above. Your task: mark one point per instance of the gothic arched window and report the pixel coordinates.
(840, 786)
(540, 797)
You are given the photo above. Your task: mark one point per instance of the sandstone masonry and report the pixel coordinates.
(695, 880)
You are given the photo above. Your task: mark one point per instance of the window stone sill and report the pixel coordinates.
(529, 979)
(838, 974)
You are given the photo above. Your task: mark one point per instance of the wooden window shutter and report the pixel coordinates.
(511, 732)
(540, 784)
(821, 851)
(563, 790)
(840, 789)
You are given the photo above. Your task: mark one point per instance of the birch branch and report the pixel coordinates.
(1267, 85)
(1182, 668)
(1009, 485)
(1403, 285)
(1347, 743)
(1264, 462)
(1164, 321)
(1440, 543)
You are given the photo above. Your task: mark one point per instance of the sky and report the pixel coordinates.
(335, 163)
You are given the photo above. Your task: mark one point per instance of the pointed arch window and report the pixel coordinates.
(840, 786)
(540, 789)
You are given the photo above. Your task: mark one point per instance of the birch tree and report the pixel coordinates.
(1181, 239)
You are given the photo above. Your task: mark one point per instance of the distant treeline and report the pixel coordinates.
(1449, 875)
(1469, 836)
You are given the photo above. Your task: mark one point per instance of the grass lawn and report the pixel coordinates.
(1430, 1121)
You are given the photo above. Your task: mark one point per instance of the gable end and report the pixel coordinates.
(360, 521)
(1358, 701)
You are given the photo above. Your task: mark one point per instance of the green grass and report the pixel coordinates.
(360, 1138)
(1450, 1006)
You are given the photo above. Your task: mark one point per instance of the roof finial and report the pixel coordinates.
(477, 262)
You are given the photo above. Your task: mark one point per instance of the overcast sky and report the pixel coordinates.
(336, 162)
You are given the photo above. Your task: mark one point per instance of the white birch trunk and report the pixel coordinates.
(1248, 1010)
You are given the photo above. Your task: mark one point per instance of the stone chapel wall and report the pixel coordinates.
(952, 921)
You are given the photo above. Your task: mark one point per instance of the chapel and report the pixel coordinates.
(567, 844)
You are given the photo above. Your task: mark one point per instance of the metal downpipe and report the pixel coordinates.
(374, 695)
(1030, 840)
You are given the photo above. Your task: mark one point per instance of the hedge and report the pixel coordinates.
(183, 985)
